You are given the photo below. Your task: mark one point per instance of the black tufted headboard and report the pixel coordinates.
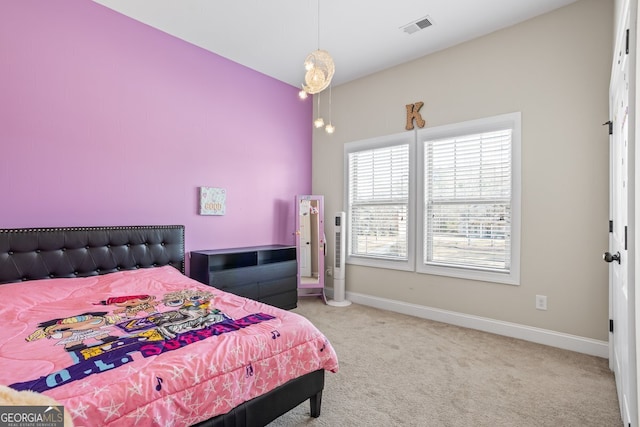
(41, 253)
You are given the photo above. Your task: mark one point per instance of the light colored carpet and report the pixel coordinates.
(398, 370)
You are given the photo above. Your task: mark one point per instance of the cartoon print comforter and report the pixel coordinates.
(149, 347)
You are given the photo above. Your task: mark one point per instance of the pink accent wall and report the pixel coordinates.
(106, 121)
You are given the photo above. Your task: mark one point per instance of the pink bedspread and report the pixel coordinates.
(149, 347)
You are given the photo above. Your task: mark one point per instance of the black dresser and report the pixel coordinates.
(264, 273)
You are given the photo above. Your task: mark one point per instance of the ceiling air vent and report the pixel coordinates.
(418, 25)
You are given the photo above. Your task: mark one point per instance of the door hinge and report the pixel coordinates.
(626, 43)
(611, 325)
(610, 123)
(610, 226)
(625, 237)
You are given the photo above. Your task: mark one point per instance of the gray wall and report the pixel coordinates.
(555, 69)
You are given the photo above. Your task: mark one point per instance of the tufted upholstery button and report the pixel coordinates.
(24, 279)
(86, 247)
(10, 252)
(128, 245)
(97, 270)
(108, 246)
(63, 249)
(38, 251)
(146, 243)
(162, 244)
(118, 268)
(51, 276)
(75, 273)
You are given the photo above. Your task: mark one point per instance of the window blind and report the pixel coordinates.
(467, 219)
(379, 202)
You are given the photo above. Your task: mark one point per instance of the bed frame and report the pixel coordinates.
(42, 253)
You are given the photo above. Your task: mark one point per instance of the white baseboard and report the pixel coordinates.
(513, 330)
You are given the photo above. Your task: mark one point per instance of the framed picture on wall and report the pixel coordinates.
(212, 201)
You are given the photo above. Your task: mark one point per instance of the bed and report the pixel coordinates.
(103, 320)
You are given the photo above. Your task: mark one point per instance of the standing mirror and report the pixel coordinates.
(310, 245)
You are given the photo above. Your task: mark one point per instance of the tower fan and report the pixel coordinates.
(339, 255)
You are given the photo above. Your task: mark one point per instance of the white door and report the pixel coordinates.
(622, 339)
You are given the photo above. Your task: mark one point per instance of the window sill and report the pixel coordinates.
(511, 278)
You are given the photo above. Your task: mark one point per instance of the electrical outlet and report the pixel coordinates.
(541, 302)
(329, 271)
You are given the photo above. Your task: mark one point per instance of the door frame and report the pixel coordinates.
(624, 9)
(634, 296)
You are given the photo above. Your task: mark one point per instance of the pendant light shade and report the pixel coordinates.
(319, 71)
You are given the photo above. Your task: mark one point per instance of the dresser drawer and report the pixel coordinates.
(287, 300)
(255, 274)
(277, 286)
(248, 291)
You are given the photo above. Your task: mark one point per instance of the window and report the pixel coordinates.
(379, 188)
(460, 217)
(469, 198)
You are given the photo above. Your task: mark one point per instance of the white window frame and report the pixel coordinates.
(505, 121)
(376, 143)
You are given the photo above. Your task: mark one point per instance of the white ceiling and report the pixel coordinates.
(363, 36)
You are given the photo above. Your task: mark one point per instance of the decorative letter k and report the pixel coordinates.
(413, 112)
